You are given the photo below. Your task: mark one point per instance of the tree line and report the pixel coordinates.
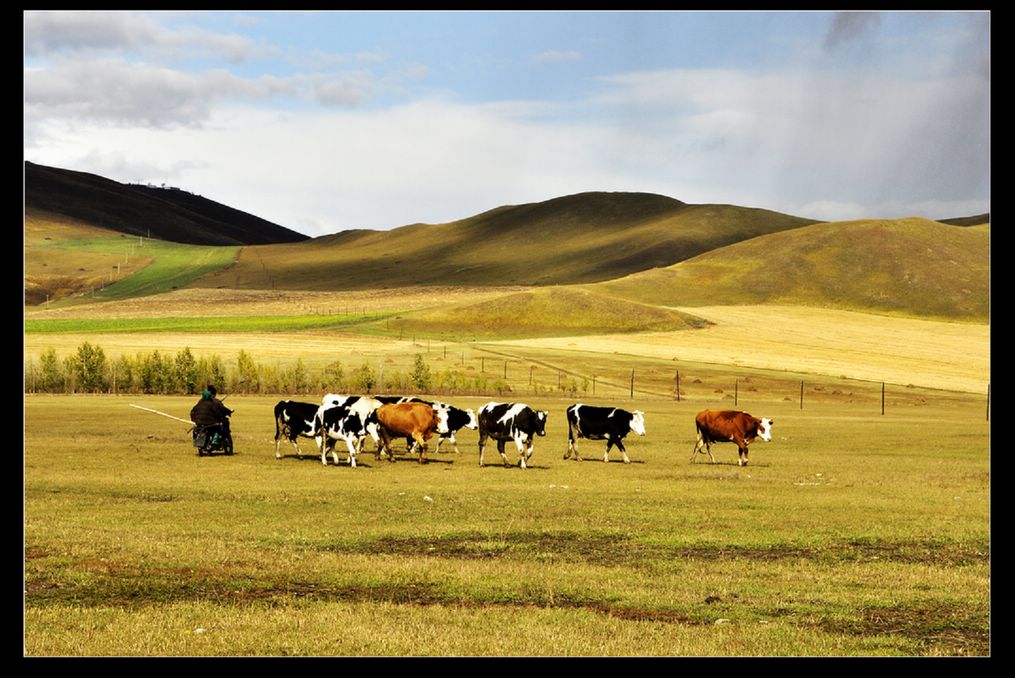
(89, 370)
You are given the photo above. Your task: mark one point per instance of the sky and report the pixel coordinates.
(329, 121)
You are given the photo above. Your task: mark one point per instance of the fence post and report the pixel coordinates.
(677, 377)
(736, 391)
(801, 394)
(632, 383)
(882, 399)
(531, 367)
(505, 370)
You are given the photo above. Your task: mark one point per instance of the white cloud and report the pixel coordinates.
(53, 33)
(134, 93)
(346, 89)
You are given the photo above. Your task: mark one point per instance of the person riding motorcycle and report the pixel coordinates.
(210, 412)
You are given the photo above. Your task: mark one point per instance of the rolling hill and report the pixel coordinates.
(581, 238)
(976, 220)
(162, 213)
(911, 266)
(541, 312)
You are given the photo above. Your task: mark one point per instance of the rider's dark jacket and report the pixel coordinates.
(209, 411)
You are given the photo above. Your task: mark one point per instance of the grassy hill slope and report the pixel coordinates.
(909, 266)
(541, 312)
(165, 214)
(66, 258)
(587, 237)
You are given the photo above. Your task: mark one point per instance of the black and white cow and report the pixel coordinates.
(361, 405)
(292, 420)
(339, 422)
(602, 423)
(510, 421)
(457, 418)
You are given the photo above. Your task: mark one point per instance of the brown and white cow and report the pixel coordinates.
(729, 426)
(415, 420)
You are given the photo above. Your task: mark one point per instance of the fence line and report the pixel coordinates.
(125, 377)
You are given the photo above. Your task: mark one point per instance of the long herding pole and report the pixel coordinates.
(185, 421)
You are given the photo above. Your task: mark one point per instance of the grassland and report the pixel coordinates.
(575, 239)
(913, 267)
(65, 258)
(854, 533)
(553, 311)
(842, 538)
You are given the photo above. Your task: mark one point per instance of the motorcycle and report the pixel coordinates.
(214, 438)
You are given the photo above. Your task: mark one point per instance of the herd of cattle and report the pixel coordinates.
(385, 419)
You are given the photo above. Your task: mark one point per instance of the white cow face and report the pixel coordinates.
(473, 423)
(540, 423)
(442, 418)
(638, 422)
(765, 430)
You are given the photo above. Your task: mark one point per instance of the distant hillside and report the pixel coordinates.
(582, 238)
(968, 221)
(166, 214)
(551, 311)
(907, 266)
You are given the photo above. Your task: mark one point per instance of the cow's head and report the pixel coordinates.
(638, 422)
(765, 430)
(441, 412)
(540, 423)
(472, 423)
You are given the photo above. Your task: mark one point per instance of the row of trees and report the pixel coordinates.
(88, 370)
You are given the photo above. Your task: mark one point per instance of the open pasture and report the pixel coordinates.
(851, 534)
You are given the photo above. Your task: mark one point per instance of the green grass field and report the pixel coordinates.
(848, 535)
(854, 533)
(64, 257)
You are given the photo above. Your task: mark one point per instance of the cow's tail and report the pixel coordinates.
(700, 440)
(278, 416)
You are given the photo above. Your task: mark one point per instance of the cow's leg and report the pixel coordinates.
(354, 448)
(503, 456)
(528, 452)
(609, 446)
(296, 444)
(322, 446)
(572, 444)
(623, 451)
(524, 445)
(698, 444)
(385, 444)
(334, 453)
(421, 442)
(482, 444)
(742, 455)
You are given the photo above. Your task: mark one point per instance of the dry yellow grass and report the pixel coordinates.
(932, 354)
(199, 303)
(953, 356)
